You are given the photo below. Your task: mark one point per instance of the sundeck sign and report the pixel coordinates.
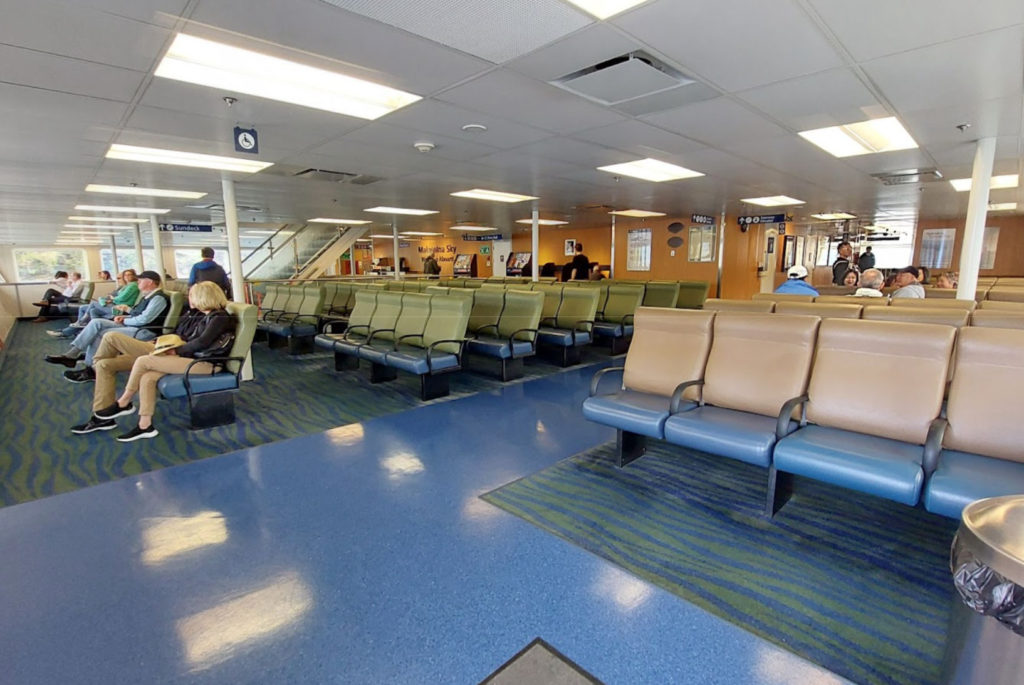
(187, 228)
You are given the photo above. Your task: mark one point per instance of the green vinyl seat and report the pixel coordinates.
(514, 336)
(572, 326)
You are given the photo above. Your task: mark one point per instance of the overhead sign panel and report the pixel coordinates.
(187, 228)
(762, 219)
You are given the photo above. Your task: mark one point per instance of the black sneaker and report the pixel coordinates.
(94, 424)
(139, 434)
(86, 375)
(61, 359)
(114, 410)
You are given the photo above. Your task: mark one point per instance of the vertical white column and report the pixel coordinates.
(977, 210)
(158, 248)
(535, 242)
(394, 243)
(352, 259)
(113, 253)
(234, 245)
(721, 251)
(138, 249)
(611, 267)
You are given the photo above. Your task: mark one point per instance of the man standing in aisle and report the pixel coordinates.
(580, 265)
(866, 260)
(842, 263)
(209, 270)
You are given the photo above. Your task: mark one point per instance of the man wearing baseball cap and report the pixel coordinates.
(796, 282)
(908, 286)
(144, 321)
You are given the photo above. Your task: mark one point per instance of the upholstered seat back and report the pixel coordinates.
(522, 311)
(245, 329)
(692, 294)
(997, 318)
(365, 302)
(1006, 293)
(851, 299)
(486, 307)
(985, 397)
(899, 371)
(669, 346)
(758, 362)
(661, 294)
(783, 297)
(578, 305)
(719, 305)
(944, 316)
(622, 301)
(825, 310)
(942, 303)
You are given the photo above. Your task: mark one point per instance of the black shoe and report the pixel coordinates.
(94, 424)
(86, 375)
(139, 434)
(61, 359)
(114, 410)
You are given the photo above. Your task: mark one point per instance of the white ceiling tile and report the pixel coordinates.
(583, 49)
(989, 118)
(432, 116)
(160, 12)
(719, 123)
(956, 159)
(886, 162)
(642, 139)
(828, 98)
(42, 70)
(396, 139)
(735, 44)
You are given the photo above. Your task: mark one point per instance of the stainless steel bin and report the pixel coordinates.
(986, 635)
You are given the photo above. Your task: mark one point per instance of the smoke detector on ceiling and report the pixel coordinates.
(424, 145)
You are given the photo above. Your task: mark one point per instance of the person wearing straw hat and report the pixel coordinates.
(206, 330)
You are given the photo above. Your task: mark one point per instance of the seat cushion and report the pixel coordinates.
(631, 411)
(327, 340)
(605, 329)
(877, 466)
(562, 337)
(496, 347)
(726, 432)
(173, 385)
(415, 361)
(372, 353)
(962, 478)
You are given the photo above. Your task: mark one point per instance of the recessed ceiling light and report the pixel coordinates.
(834, 216)
(79, 241)
(474, 128)
(862, 138)
(773, 201)
(1001, 206)
(542, 222)
(471, 227)
(149, 192)
(602, 9)
(387, 236)
(401, 210)
(323, 220)
(207, 63)
(651, 170)
(91, 234)
(637, 213)
(126, 210)
(405, 233)
(492, 195)
(181, 158)
(105, 227)
(1005, 181)
(110, 219)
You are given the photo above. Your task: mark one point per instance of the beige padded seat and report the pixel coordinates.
(670, 346)
(932, 315)
(1009, 281)
(782, 297)
(999, 304)
(998, 318)
(849, 299)
(825, 310)
(833, 290)
(939, 293)
(968, 305)
(720, 305)
(1006, 293)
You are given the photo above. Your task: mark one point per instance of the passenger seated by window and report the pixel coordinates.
(103, 275)
(796, 282)
(852, 277)
(51, 298)
(907, 283)
(104, 308)
(206, 330)
(923, 275)
(948, 281)
(596, 274)
(871, 282)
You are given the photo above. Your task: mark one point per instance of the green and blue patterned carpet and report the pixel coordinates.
(856, 584)
(291, 396)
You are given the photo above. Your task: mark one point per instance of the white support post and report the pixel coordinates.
(611, 266)
(158, 248)
(394, 242)
(138, 249)
(113, 253)
(535, 242)
(977, 210)
(235, 256)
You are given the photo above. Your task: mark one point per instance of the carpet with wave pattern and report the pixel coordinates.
(854, 583)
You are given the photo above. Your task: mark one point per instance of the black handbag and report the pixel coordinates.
(221, 347)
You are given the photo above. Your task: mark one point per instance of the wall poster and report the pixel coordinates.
(937, 247)
(702, 243)
(988, 247)
(638, 249)
(570, 247)
(788, 251)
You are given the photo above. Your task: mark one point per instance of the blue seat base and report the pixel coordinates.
(726, 432)
(961, 478)
(634, 412)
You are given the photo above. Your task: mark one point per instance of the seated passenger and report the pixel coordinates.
(143, 321)
(852, 277)
(948, 281)
(923, 275)
(207, 329)
(796, 283)
(871, 282)
(103, 275)
(907, 283)
(51, 298)
(104, 308)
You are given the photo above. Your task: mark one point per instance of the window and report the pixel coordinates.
(125, 260)
(40, 265)
(638, 250)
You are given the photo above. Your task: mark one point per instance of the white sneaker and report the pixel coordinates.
(55, 334)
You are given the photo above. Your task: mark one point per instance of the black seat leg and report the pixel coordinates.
(345, 362)
(780, 489)
(212, 409)
(511, 369)
(380, 373)
(629, 446)
(432, 387)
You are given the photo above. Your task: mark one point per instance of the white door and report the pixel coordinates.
(768, 260)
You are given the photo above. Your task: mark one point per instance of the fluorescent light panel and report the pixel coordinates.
(492, 195)
(149, 192)
(126, 210)
(636, 213)
(469, 227)
(107, 227)
(651, 170)
(406, 233)
(962, 185)
(834, 216)
(862, 138)
(181, 158)
(602, 9)
(236, 70)
(109, 219)
(401, 210)
(773, 201)
(542, 222)
(1001, 206)
(387, 236)
(323, 220)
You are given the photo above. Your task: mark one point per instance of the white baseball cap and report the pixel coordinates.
(798, 271)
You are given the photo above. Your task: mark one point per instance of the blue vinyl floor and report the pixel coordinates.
(358, 555)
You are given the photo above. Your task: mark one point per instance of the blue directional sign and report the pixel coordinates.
(762, 219)
(702, 218)
(482, 238)
(186, 228)
(247, 140)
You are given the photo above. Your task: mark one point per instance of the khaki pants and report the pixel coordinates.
(117, 352)
(149, 369)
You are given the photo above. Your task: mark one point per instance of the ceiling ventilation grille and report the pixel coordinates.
(337, 176)
(909, 177)
(624, 78)
(217, 207)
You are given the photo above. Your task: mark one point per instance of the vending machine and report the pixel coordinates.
(465, 265)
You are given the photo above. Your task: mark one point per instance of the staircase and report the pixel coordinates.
(299, 252)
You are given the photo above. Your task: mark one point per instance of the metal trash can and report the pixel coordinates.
(986, 632)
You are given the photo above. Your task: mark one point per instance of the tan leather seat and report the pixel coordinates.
(720, 305)
(998, 318)
(1001, 304)
(783, 297)
(850, 299)
(670, 346)
(825, 310)
(1006, 293)
(968, 305)
(934, 315)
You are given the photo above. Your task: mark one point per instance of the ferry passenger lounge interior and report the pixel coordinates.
(570, 341)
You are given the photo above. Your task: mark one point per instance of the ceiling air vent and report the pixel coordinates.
(627, 77)
(909, 177)
(338, 177)
(217, 207)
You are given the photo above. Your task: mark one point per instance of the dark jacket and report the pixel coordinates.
(582, 266)
(200, 331)
(209, 270)
(866, 261)
(839, 269)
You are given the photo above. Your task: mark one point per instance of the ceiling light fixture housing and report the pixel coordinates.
(636, 213)
(651, 170)
(492, 195)
(602, 9)
(543, 222)
(862, 138)
(472, 227)
(962, 185)
(834, 216)
(125, 210)
(110, 219)
(180, 158)
(401, 210)
(773, 201)
(148, 192)
(1002, 206)
(339, 222)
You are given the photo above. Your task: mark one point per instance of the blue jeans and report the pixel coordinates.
(94, 311)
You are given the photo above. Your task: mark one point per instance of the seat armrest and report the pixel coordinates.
(216, 361)
(933, 445)
(458, 355)
(485, 327)
(677, 394)
(328, 324)
(531, 331)
(787, 410)
(596, 380)
(373, 334)
(548, 320)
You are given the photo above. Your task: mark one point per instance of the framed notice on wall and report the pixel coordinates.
(788, 252)
(638, 249)
(937, 247)
(702, 243)
(988, 247)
